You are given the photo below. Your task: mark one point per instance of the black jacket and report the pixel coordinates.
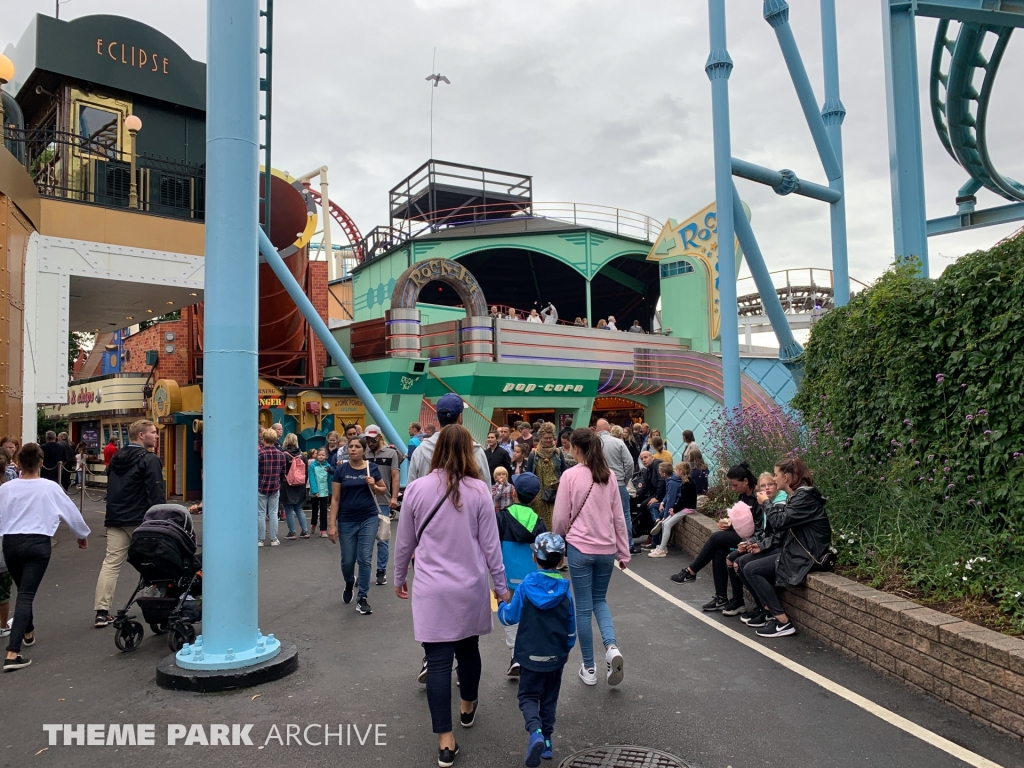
(804, 534)
(134, 484)
(292, 494)
(54, 454)
(497, 457)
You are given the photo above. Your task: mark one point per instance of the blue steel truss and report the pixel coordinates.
(825, 125)
(960, 91)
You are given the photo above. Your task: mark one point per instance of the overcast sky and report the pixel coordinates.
(601, 101)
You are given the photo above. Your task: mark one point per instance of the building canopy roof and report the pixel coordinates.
(112, 51)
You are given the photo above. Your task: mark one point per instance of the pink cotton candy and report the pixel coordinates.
(742, 519)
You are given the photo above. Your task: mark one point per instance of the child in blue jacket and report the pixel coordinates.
(680, 500)
(543, 608)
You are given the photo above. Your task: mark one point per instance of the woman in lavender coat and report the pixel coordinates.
(456, 551)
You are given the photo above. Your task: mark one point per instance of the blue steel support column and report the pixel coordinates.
(776, 13)
(230, 636)
(833, 113)
(291, 285)
(789, 347)
(906, 160)
(718, 69)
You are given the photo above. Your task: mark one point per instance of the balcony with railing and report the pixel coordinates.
(95, 171)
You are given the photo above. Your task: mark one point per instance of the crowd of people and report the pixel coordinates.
(549, 316)
(509, 518)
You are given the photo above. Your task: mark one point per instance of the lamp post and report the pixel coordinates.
(6, 75)
(133, 123)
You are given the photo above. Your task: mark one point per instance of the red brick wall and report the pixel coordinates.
(318, 295)
(171, 366)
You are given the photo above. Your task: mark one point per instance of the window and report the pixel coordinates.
(675, 268)
(98, 130)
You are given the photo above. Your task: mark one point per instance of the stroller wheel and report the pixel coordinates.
(180, 633)
(158, 629)
(128, 636)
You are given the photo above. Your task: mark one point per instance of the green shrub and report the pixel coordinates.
(912, 396)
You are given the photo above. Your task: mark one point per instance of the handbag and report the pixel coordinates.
(383, 521)
(827, 562)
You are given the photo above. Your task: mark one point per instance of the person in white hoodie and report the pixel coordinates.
(449, 411)
(31, 508)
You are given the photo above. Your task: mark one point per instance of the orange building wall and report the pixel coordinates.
(318, 295)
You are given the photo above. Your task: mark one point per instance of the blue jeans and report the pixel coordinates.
(291, 511)
(382, 555)
(357, 537)
(589, 575)
(266, 504)
(624, 495)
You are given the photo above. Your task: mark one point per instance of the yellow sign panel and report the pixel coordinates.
(696, 238)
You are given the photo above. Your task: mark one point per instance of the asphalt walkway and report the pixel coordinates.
(689, 688)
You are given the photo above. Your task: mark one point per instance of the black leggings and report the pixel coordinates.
(741, 560)
(759, 575)
(319, 506)
(715, 551)
(439, 677)
(26, 555)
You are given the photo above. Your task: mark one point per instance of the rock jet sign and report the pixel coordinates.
(416, 277)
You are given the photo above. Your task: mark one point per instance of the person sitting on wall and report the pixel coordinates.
(534, 317)
(715, 550)
(635, 327)
(760, 544)
(611, 323)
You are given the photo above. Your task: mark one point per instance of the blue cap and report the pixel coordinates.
(547, 544)
(527, 485)
(449, 407)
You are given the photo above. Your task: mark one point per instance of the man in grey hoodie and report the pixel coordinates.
(620, 461)
(449, 411)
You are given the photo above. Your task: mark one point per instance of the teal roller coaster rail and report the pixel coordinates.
(960, 110)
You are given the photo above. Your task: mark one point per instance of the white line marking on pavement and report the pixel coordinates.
(854, 698)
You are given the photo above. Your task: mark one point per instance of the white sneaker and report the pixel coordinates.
(613, 657)
(260, 544)
(275, 542)
(658, 553)
(588, 676)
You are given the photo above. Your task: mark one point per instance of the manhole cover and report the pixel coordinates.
(623, 757)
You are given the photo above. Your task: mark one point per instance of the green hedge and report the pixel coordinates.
(913, 396)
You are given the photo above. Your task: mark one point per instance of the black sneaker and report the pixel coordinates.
(29, 642)
(734, 608)
(466, 719)
(748, 615)
(775, 628)
(363, 607)
(683, 577)
(446, 757)
(346, 596)
(382, 578)
(103, 619)
(757, 620)
(716, 603)
(421, 678)
(16, 663)
(635, 550)
(513, 670)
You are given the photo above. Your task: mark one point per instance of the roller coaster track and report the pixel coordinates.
(959, 110)
(343, 219)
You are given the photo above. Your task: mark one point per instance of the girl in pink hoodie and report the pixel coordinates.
(588, 514)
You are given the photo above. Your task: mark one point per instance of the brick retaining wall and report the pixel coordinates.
(975, 670)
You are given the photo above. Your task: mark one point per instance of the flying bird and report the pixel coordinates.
(438, 79)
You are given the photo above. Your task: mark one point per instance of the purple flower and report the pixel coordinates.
(951, 485)
(982, 411)
(916, 462)
(1016, 455)
(988, 431)
(970, 477)
(970, 417)
(882, 478)
(940, 377)
(963, 386)
(931, 456)
(920, 479)
(945, 469)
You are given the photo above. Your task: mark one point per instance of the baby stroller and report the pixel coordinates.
(163, 551)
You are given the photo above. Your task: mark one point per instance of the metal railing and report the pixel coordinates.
(94, 170)
(800, 291)
(418, 183)
(618, 221)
